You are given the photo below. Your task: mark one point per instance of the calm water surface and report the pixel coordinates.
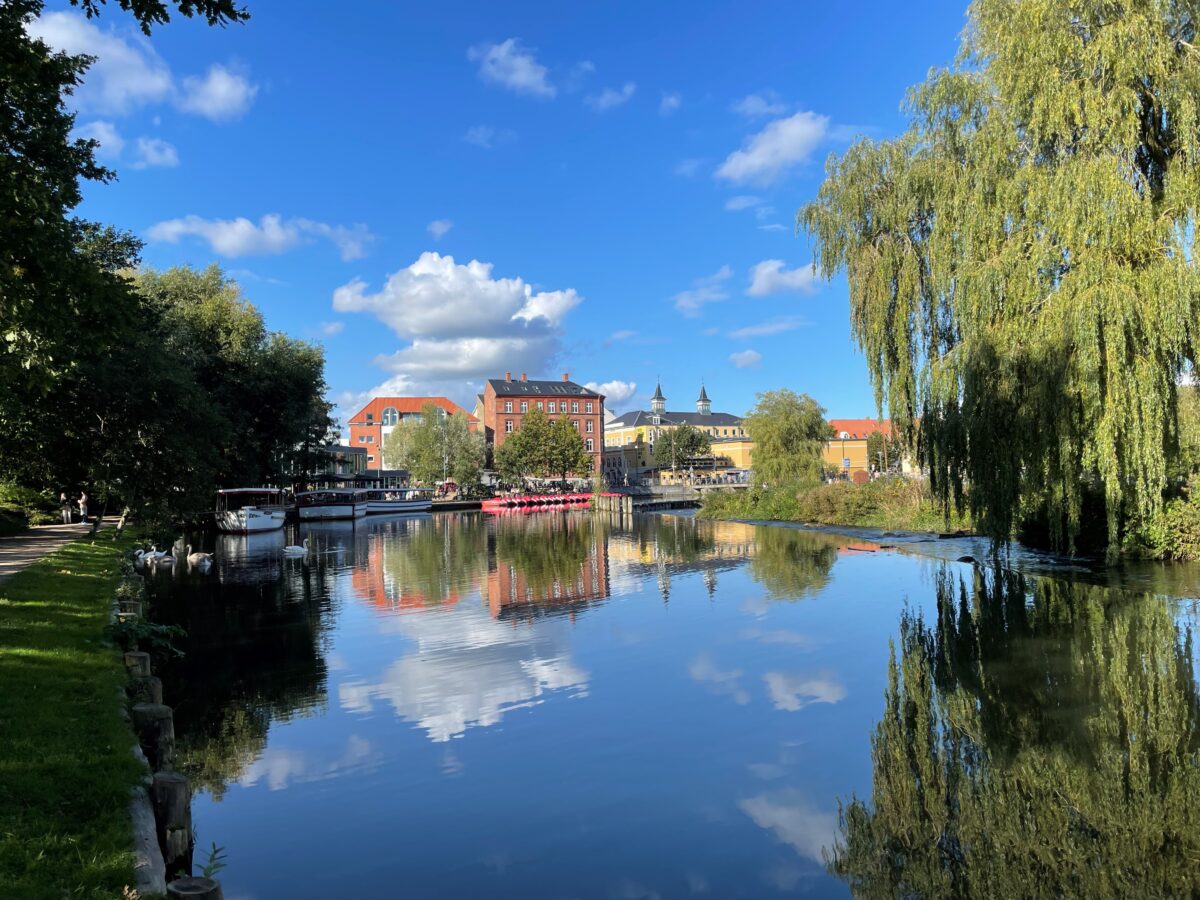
(558, 706)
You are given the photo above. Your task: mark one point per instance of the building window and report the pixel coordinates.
(575, 424)
(590, 445)
(508, 406)
(390, 416)
(508, 426)
(370, 458)
(524, 406)
(589, 406)
(590, 426)
(370, 417)
(550, 407)
(539, 404)
(362, 438)
(370, 438)
(574, 406)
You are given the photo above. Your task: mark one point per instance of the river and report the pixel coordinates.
(559, 705)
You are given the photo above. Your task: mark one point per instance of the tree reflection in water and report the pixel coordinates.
(792, 564)
(255, 655)
(1039, 740)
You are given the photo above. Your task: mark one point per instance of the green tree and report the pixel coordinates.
(565, 453)
(883, 451)
(435, 447)
(789, 431)
(1020, 261)
(675, 445)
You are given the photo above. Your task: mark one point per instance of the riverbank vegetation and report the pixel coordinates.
(1021, 262)
(146, 389)
(66, 761)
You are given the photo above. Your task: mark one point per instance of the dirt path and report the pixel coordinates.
(19, 550)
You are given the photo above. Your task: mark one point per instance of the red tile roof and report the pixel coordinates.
(405, 405)
(860, 428)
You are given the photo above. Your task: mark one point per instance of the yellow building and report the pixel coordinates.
(629, 438)
(846, 451)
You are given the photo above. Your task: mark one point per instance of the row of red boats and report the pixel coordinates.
(536, 501)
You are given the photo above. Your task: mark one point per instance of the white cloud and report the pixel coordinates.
(487, 137)
(793, 820)
(271, 235)
(439, 228)
(770, 277)
(623, 335)
(762, 213)
(773, 226)
(742, 201)
(745, 358)
(671, 101)
(329, 329)
(610, 98)
(791, 693)
(510, 65)
(614, 392)
(764, 329)
(222, 94)
(688, 167)
(463, 324)
(127, 74)
(155, 153)
(782, 144)
(106, 135)
(709, 289)
(758, 106)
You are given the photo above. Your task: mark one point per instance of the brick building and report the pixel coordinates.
(375, 421)
(504, 403)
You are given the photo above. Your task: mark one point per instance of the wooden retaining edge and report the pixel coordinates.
(149, 868)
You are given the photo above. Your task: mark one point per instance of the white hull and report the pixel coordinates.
(376, 507)
(249, 520)
(333, 511)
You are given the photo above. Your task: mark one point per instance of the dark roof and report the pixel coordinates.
(658, 394)
(642, 417)
(539, 388)
(703, 394)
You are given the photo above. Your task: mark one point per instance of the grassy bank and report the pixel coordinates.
(66, 765)
(895, 504)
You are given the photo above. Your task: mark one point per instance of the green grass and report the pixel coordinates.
(66, 765)
(893, 504)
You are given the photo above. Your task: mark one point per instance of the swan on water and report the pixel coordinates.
(197, 559)
(296, 549)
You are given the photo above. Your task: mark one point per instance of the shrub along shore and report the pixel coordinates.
(66, 760)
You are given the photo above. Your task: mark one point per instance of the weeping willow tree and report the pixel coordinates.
(1020, 260)
(1041, 740)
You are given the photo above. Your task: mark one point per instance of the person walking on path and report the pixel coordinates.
(65, 506)
(83, 501)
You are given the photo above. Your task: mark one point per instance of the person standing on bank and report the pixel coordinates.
(64, 506)
(83, 500)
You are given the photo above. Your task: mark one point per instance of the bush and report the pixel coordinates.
(1174, 533)
(898, 504)
(13, 519)
(40, 507)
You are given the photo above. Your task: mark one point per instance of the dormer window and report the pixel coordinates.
(390, 416)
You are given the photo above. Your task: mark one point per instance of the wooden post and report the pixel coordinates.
(195, 889)
(137, 662)
(172, 797)
(146, 689)
(155, 727)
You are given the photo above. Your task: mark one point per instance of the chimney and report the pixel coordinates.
(566, 376)
(523, 378)
(508, 376)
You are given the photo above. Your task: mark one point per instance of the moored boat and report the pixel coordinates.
(331, 503)
(248, 510)
(399, 500)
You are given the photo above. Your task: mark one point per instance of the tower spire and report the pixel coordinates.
(658, 403)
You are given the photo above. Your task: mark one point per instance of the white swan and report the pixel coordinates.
(163, 558)
(296, 549)
(197, 559)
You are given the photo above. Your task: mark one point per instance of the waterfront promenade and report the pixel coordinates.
(20, 550)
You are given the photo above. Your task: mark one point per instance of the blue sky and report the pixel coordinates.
(440, 196)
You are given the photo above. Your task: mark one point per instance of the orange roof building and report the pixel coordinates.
(375, 421)
(853, 429)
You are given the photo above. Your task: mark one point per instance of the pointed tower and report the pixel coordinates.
(703, 404)
(658, 403)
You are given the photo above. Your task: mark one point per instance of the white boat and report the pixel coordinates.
(399, 500)
(331, 503)
(248, 510)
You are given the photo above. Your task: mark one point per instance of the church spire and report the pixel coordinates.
(658, 403)
(703, 404)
